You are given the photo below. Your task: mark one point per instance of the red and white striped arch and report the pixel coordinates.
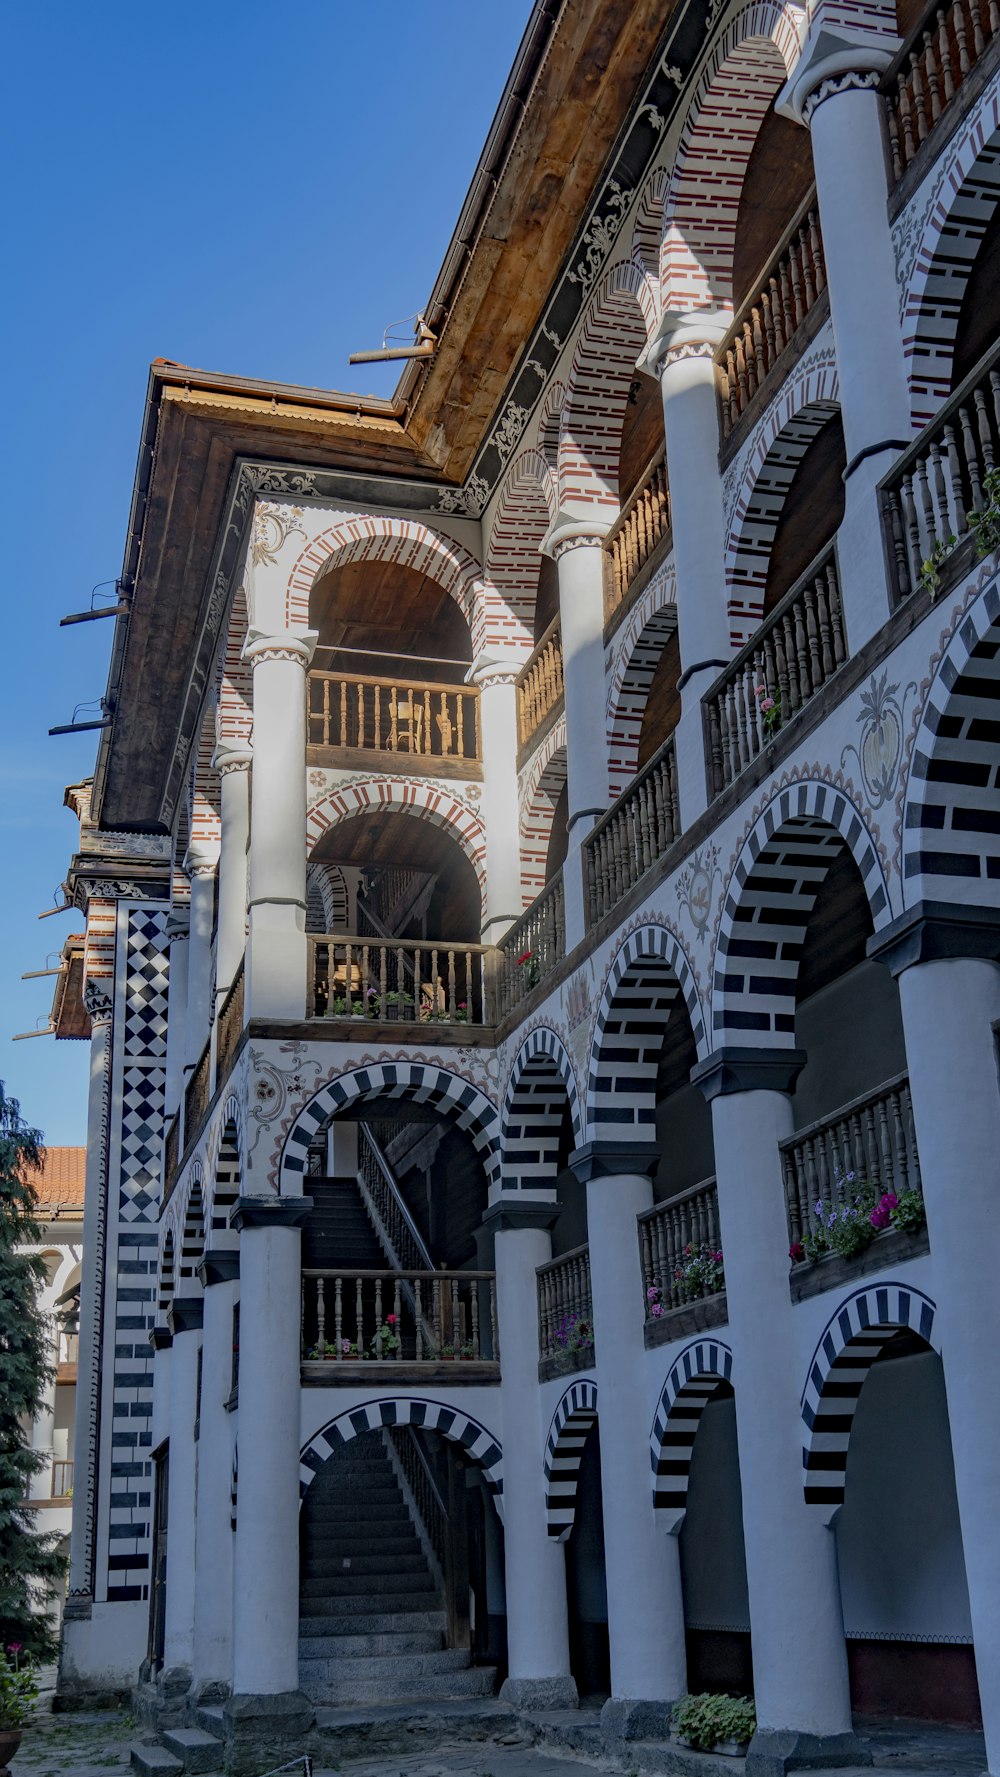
(540, 791)
(522, 515)
(618, 323)
(397, 795)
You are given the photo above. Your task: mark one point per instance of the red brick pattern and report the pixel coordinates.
(612, 336)
(234, 718)
(640, 643)
(387, 795)
(521, 518)
(540, 792)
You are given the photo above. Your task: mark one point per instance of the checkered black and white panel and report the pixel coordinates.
(143, 962)
(697, 1374)
(572, 1423)
(541, 1084)
(422, 1084)
(850, 1343)
(480, 1444)
(770, 897)
(648, 975)
(951, 837)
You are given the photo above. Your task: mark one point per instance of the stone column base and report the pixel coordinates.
(775, 1751)
(264, 1731)
(635, 1718)
(540, 1693)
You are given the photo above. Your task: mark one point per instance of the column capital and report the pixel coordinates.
(298, 645)
(160, 1338)
(834, 60)
(201, 859)
(933, 931)
(615, 1159)
(220, 1264)
(269, 1212)
(185, 1314)
(98, 1002)
(569, 530)
(232, 755)
(507, 1213)
(499, 667)
(178, 924)
(680, 335)
(737, 1068)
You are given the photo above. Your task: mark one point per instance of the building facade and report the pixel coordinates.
(542, 934)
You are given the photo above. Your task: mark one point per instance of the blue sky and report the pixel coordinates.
(247, 188)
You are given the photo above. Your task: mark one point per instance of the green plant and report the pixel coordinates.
(30, 1566)
(769, 705)
(706, 1719)
(930, 572)
(467, 1348)
(909, 1213)
(385, 1340)
(699, 1273)
(18, 1687)
(985, 525)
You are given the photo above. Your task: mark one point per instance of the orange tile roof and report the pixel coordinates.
(60, 1181)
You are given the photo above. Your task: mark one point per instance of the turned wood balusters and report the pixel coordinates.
(564, 1302)
(644, 522)
(765, 325)
(403, 716)
(539, 685)
(641, 826)
(873, 1137)
(929, 70)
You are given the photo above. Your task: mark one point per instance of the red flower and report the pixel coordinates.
(525, 956)
(796, 1252)
(390, 1320)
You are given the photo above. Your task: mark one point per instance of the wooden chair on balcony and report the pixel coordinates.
(407, 713)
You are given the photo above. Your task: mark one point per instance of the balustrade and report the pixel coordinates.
(408, 980)
(394, 1221)
(196, 1094)
(767, 322)
(934, 487)
(230, 1022)
(794, 653)
(680, 1250)
(62, 1480)
(929, 70)
(636, 830)
(539, 686)
(641, 528)
(872, 1137)
(387, 1317)
(413, 717)
(530, 950)
(431, 1508)
(565, 1306)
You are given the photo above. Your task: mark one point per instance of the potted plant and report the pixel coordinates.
(574, 1333)
(18, 1696)
(385, 1340)
(715, 1723)
(528, 963)
(700, 1272)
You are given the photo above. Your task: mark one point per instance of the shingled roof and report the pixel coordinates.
(59, 1183)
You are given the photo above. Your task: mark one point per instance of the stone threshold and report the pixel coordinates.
(388, 1375)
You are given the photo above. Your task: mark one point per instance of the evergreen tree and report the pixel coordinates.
(30, 1567)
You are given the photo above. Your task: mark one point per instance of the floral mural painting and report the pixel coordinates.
(880, 748)
(694, 887)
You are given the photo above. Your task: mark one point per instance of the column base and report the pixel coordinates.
(540, 1693)
(635, 1718)
(265, 1730)
(774, 1751)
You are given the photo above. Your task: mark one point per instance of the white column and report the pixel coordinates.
(834, 90)
(86, 1431)
(498, 734)
(277, 944)
(213, 1594)
(534, 1564)
(177, 985)
(799, 1654)
(40, 1485)
(178, 1640)
(645, 1601)
(577, 547)
(232, 762)
(266, 1582)
(200, 867)
(682, 354)
(950, 1003)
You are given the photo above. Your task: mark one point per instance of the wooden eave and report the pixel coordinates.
(69, 1015)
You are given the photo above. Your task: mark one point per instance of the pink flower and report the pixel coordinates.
(15, 1647)
(796, 1252)
(390, 1320)
(759, 690)
(656, 1311)
(652, 1292)
(766, 703)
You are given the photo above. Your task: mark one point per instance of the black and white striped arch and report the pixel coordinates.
(696, 1375)
(541, 1084)
(419, 1082)
(572, 1423)
(479, 1444)
(648, 974)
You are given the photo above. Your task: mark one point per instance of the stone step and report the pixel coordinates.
(333, 1546)
(351, 1523)
(378, 1491)
(346, 1584)
(347, 1604)
(335, 1628)
(326, 1647)
(362, 1667)
(374, 1564)
(196, 1750)
(329, 1682)
(210, 1718)
(154, 1761)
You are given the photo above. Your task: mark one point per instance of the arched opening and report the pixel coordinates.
(907, 1622)
(545, 816)
(713, 1556)
(777, 181)
(683, 1118)
(227, 1184)
(586, 1579)
(951, 312)
(811, 512)
(401, 1558)
(977, 329)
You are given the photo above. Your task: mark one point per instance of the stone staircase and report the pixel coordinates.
(371, 1617)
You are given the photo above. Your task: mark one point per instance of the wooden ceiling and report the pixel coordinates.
(380, 606)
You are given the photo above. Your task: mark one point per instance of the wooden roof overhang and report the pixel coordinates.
(581, 115)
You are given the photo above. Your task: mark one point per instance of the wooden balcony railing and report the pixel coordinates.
(929, 70)
(641, 528)
(565, 1306)
(539, 687)
(680, 1250)
(637, 830)
(930, 491)
(390, 1317)
(68, 1348)
(530, 950)
(792, 656)
(781, 299)
(230, 1024)
(197, 1094)
(62, 1480)
(408, 717)
(873, 1137)
(403, 980)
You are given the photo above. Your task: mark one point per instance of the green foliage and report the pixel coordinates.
(704, 1720)
(930, 572)
(30, 1568)
(985, 525)
(18, 1688)
(909, 1213)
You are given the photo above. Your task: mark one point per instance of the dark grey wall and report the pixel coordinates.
(684, 1132)
(853, 1034)
(713, 1563)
